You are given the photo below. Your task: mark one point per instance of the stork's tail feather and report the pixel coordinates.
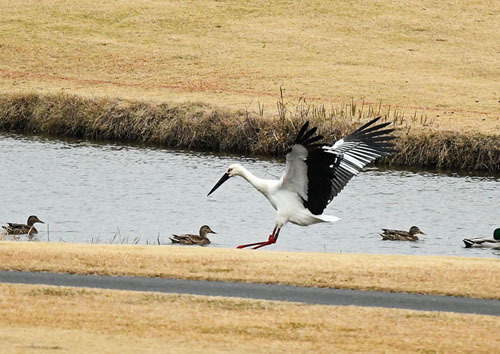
(327, 218)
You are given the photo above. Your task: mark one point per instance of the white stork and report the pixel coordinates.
(314, 174)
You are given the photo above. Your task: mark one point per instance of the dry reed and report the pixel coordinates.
(204, 127)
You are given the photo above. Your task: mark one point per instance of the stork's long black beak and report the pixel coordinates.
(223, 179)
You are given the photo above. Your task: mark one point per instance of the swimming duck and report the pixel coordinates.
(400, 235)
(21, 229)
(189, 239)
(484, 242)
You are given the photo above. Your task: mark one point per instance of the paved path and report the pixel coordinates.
(320, 296)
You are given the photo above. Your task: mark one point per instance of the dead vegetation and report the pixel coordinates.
(439, 58)
(457, 276)
(204, 127)
(70, 320)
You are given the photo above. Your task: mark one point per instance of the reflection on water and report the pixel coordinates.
(87, 191)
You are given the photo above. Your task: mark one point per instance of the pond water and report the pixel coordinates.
(89, 192)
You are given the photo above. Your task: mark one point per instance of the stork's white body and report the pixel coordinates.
(287, 202)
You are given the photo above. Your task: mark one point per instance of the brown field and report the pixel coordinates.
(48, 319)
(437, 58)
(473, 277)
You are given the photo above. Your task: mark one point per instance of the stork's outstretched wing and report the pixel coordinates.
(319, 172)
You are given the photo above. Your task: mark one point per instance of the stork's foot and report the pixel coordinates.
(270, 241)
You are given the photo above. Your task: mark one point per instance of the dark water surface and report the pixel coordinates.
(87, 191)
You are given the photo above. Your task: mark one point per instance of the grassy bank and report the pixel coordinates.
(204, 127)
(48, 319)
(439, 58)
(473, 277)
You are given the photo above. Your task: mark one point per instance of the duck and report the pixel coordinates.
(400, 235)
(22, 229)
(190, 239)
(484, 242)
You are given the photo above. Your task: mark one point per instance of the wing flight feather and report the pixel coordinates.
(318, 172)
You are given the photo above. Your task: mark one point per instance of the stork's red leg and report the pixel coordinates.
(272, 239)
(258, 243)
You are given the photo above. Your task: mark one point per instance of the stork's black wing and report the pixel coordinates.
(329, 168)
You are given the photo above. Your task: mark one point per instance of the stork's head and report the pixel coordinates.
(233, 170)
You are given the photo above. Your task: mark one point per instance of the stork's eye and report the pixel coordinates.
(229, 170)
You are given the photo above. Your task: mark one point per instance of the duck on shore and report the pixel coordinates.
(400, 235)
(484, 242)
(190, 239)
(22, 229)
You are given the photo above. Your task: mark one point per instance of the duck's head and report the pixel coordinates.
(496, 234)
(233, 170)
(205, 229)
(415, 230)
(34, 219)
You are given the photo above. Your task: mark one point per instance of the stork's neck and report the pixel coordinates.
(255, 181)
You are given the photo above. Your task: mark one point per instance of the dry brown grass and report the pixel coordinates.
(60, 319)
(200, 126)
(439, 58)
(474, 277)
